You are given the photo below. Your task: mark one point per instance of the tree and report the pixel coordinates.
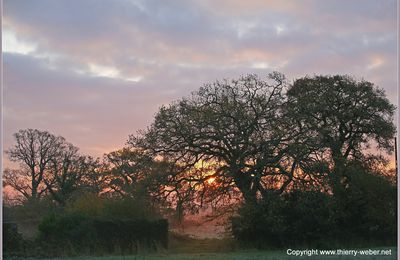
(134, 174)
(49, 165)
(129, 171)
(236, 127)
(34, 150)
(66, 173)
(344, 116)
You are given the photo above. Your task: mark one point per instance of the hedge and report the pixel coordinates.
(73, 234)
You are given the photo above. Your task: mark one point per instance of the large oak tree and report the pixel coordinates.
(237, 127)
(344, 116)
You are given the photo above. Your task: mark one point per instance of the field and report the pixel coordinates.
(241, 255)
(186, 248)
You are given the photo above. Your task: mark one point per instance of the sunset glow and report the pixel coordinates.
(203, 129)
(211, 180)
(96, 71)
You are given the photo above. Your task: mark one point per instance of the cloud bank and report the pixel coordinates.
(97, 71)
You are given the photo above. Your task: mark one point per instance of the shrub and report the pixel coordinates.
(74, 233)
(366, 209)
(88, 204)
(13, 242)
(363, 213)
(130, 208)
(295, 219)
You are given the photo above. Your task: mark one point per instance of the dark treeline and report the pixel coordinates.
(288, 162)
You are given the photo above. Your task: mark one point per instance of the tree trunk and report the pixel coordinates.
(34, 192)
(179, 211)
(244, 184)
(338, 171)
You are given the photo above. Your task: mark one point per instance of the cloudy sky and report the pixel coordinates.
(96, 71)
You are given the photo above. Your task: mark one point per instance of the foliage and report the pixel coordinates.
(236, 127)
(79, 234)
(343, 116)
(367, 206)
(132, 173)
(88, 225)
(88, 204)
(290, 220)
(92, 205)
(68, 173)
(13, 242)
(363, 214)
(253, 137)
(48, 166)
(295, 155)
(30, 211)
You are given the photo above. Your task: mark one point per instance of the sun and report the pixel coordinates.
(211, 180)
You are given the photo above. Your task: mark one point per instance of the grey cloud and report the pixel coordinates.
(72, 105)
(176, 46)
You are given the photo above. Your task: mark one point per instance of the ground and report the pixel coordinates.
(241, 255)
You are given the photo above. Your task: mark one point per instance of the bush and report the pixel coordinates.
(129, 208)
(366, 209)
(295, 219)
(73, 233)
(13, 242)
(88, 204)
(68, 233)
(363, 213)
(309, 218)
(94, 225)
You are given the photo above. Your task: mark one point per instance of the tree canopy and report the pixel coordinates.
(292, 161)
(48, 165)
(263, 135)
(34, 150)
(345, 116)
(247, 138)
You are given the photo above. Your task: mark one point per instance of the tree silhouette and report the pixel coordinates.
(67, 173)
(48, 165)
(34, 150)
(237, 127)
(343, 116)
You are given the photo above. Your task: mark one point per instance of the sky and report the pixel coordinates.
(96, 71)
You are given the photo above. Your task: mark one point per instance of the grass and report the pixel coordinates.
(182, 247)
(187, 248)
(240, 255)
